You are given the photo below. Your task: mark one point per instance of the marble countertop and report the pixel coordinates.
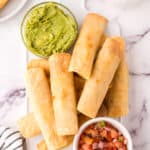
(128, 19)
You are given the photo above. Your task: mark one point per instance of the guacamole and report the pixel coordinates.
(48, 30)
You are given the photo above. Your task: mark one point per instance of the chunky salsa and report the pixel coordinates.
(102, 136)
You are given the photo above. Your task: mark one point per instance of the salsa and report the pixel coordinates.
(48, 30)
(102, 136)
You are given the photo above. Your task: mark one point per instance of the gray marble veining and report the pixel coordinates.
(10, 102)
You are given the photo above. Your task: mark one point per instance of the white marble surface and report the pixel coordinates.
(131, 20)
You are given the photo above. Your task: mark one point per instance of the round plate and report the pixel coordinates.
(11, 8)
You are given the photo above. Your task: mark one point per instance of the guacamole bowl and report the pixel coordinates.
(49, 28)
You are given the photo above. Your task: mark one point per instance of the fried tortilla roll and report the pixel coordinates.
(96, 87)
(3, 3)
(102, 111)
(42, 146)
(87, 45)
(82, 119)
(28, 126)
(63, 92)
(116, 100)
(79, 84)
(39, 63)
(41, 102)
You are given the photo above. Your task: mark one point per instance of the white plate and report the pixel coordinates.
(112, 29)
(12, 8)
(79, 11)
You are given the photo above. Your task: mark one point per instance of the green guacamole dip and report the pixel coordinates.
(48, 30)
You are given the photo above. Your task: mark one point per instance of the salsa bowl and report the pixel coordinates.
(120, 128)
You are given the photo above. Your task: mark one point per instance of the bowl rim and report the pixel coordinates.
(112, 121)
(14, 12)
(37, 5)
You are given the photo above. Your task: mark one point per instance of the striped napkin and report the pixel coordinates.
(10, 139)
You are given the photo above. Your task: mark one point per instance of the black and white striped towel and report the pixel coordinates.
(10, 139)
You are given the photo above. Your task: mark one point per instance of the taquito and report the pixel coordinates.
(39, 63)
(82, 119)
(116, 100)
(41, 102)
(87, 45)
(79, 84)
(102, 111)
(63, 92)
(42, 146)
(28, 126)
(96, 87)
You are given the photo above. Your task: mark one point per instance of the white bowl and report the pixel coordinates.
(11, 8)
(113, 122)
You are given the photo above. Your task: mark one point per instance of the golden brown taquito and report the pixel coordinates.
(96, 87)
(102, 111)
(39, 63)
(28, 126)
(42, 146)
(43, 63)
(39, 93)
(63, 92)
(116, 100)
(87, 45)
(82, 119)
(79, 84)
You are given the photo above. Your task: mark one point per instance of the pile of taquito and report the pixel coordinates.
(66, 90)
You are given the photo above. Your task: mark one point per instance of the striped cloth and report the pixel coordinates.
(10, 139)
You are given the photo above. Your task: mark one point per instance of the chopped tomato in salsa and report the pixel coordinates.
(102, 136)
